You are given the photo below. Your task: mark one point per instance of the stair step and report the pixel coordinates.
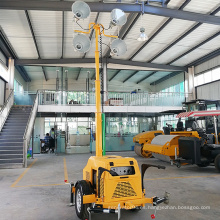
(11, 140)
(11, 151)
(11, 148)
(11, 144)
(11, 156)
(14, 160)
(15, 126)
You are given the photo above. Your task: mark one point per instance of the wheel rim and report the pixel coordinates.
(78, 201)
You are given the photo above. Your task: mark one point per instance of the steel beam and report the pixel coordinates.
(130, 76)
(25, 62)
(147, 65)
(34, 39)
(183, 36)
(114, 75)
(165, 78)
(205, 58)
(157, 32)
(146, 77)
(108, 7)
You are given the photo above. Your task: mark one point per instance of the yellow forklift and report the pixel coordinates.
(110, 183)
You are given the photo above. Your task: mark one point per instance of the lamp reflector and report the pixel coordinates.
(80, 9)
(118, 17)
(118, 47)
(81, 43)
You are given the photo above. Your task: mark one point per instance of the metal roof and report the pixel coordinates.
(48, 34)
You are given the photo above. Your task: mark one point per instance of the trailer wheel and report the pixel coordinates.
(82, 188)
(217, 162)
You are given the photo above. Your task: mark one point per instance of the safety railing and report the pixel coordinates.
(48, 97)
(28, 130)
(4, 112)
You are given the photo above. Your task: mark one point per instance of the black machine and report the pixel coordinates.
(200, 151)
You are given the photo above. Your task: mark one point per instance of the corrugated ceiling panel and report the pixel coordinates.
(151, 23)
(149, 51)
(50, 48)
(170, 54)
(175, 4)
(157, 76)
(46, 23)
(194, 55)
(84, 73)
(47, 26)
(138, 76)
(34, 72)
(16, 28)
(213, 44)
(204, 6)
(173, 30)
(200, 34)
(110, 73)
(123, 75)
(201, 51)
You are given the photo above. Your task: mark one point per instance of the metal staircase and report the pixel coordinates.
(11, 137)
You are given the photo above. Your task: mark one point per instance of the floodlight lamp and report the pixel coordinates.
(80, 9)
(118, 47)
(142, 36)
(118, 17)
(81, 43)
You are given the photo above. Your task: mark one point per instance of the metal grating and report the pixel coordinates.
(123, 189)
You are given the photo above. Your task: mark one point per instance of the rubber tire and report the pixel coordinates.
(217, 162)
(83, 187)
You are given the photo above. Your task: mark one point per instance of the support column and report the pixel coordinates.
(10, 84)
(105, 81)
(189, 84)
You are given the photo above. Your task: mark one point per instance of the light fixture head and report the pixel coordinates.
(118, 47)
(80, 9)
(81, 43)
(142, 36)
(118, 17)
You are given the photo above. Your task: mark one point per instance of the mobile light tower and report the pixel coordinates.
(110, 183)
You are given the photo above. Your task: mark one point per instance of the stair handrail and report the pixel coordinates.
(29, 128)
(4, 112)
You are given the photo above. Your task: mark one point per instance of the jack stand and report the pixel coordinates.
(72, 203)
(100, 210)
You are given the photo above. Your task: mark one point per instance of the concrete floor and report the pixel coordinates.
(40, 193)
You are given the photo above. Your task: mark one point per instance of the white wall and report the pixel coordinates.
(39, 130)
(80, 85)
(19, 78)
(208, 65)
(169, 82)
(209, 91)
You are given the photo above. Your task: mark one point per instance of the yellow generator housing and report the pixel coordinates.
(118, 181)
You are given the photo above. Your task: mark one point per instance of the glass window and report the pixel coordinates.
(200, 79)
(207, 77)
(216, 74)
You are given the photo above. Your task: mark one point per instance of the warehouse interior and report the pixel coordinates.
(169, 69)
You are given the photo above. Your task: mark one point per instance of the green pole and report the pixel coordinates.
(103, 134)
